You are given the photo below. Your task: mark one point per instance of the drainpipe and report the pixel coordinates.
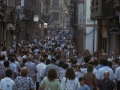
(94, 37)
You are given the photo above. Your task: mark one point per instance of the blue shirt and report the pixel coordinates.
(85, 87)
(99, 66)
(100, 73)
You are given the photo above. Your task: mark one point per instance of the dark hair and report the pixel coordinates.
(26, 52)
(116, 60)
(6, 63)
(101, 61)
(77, 53)
(61, 63)
(90, 68)
(92, 63)
(53, 60)
(42, 60)
(52, 74)
(119, 62)
(110, 64)
(105, 62)
(58, 56)
(81, 78)
(47, 61)
(74, 61)
(96, 62)
(65, 66)
(70, 74)
(11, 59)
(86, 59)
(24, 60)
(2, 57)
(8, 73)
(45, 56)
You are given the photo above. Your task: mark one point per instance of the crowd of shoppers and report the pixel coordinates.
(53, 63)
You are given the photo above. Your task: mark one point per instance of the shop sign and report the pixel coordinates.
(114, 30)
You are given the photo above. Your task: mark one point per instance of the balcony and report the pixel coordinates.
(109, 9)
(117, 5)
(98, 11)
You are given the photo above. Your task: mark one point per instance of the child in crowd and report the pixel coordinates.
(82, 84)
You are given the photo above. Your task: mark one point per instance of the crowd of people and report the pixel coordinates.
(53, 63)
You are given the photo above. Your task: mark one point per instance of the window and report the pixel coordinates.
(55, 2)
(55, 16)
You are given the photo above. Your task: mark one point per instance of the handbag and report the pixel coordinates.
(94, 87)
(65, 84)
(30, 84)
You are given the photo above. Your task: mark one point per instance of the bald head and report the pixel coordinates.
(106, 75)
(36, 56)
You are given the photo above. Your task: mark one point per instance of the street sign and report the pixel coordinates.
(114, 30)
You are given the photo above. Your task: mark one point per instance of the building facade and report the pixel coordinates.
(22, 19)
(58, 13)
(85, 33)
(107, 15)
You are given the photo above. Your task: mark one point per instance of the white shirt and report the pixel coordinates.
(41, 71)
(62, 74)
(18, 7)
(100, 73)
(19, 59)
(6, 84)
(67, 84)
(117, 73)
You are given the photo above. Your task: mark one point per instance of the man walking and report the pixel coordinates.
(106, 83)
(117, 76)
(7, 83)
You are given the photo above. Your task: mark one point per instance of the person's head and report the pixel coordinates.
(86, 59)
(89, 68)
(82, 81)
(61, 63)
(65, 66)
(8, 73)
(36, 56)
(96, 62)
(52, 74)
(53, 60)
(12, 59)
(116, 60)
(42, 60)
(58, 57)
(45, 56)
(26, 53)
(74, 61)
(105, 62)
(110, 64)
(106, 75)
(31, 58)
(2, 57)
(70, 74)
(101, 61)
(24, 71)
(79, 54)
(6, 63)
(119, 62)
(24, 60)
(47, 61)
